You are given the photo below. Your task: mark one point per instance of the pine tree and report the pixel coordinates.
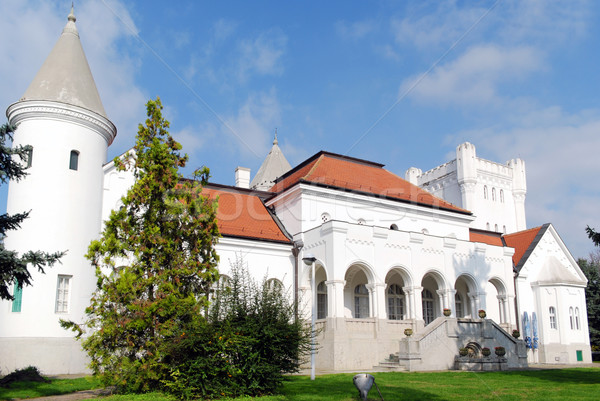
(593, 235)
(154, 262)
(591, 269)
(14, 268)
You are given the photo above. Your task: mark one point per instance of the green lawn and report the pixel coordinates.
(55, 387)
(559, 384)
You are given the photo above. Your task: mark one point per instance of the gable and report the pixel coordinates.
(546, 261)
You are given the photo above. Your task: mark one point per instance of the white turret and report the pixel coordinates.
(61, 116)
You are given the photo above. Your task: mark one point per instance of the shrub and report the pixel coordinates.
(28, 374)
(250, 340)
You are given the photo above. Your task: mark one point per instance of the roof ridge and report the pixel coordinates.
(312, 169)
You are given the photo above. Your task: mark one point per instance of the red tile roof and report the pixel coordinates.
(521, 241)
(486, 237)
(331, 170)
(241, 213)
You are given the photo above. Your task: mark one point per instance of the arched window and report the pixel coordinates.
(395, 302)
(427, 305)
(274, 285)
(74, 160)
(504, 229)
(361, 301)
(487, 226)
(577, 318)
(321, 300)
(501, 196)
(552, 315)
(571, 318)
(394, 227)
(494, 194)
(458, 305)
(485, 192)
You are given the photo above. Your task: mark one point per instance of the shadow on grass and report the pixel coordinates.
(570, 375)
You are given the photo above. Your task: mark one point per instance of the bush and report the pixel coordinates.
(251, 338)
(28, 374)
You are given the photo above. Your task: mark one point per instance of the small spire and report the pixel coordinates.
(71, 16)
(275, 142)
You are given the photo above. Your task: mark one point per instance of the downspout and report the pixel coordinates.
(298, 245)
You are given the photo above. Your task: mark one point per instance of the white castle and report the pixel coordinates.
(390, 253)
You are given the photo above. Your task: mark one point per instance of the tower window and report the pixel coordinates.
(501, 196)
(62, 294)
(29, 155)
(494, 194)
(485, 192)
(17, 295)
(74, 160)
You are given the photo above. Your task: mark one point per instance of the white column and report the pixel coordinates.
(418, 302)
(335, 298)
(372, 300)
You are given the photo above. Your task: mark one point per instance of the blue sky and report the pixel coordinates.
(400, 83)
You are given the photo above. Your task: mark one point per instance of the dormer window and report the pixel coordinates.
(74, 160)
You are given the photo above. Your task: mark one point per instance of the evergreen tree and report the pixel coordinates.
(14, 267)
(154, 263)
(591, 269)
(593, 235)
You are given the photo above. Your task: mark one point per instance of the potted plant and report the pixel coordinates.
(408, 332)
(516, 334)
(463, 351)
(447, 312)
(482, 314)
(485, 351)
(500, 351)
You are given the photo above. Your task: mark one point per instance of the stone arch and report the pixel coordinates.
(465, 287)
(496, 300)
(433, 295)
(359, 294)
(396, 300)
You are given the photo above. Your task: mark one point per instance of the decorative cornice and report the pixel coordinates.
(43, 109)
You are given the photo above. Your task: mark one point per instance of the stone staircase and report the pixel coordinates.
(436, 346)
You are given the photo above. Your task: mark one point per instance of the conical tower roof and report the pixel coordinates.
(275, 165)
(65, 76)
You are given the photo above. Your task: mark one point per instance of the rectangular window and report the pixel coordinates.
(63, 287)
(18, 295)
(29, 157)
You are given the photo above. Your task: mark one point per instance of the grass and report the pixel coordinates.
(26, 389)
(546, 385)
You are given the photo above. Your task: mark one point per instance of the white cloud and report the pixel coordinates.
(253, 127)
(262, 55)
(441, 27)
(560, 152)
(34, 28)
(355, 30)
(474, 77)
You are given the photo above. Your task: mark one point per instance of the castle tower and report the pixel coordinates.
(61, 116)
(494, 192)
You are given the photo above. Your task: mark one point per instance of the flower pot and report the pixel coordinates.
(463, 352)
(408, 332)
(486, 352)
(516, 334)
(482, 314)
(447, 312)
(500, 351)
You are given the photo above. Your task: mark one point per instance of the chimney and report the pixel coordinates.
(242, 177)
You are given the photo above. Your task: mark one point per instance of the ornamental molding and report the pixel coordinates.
(47, 110)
